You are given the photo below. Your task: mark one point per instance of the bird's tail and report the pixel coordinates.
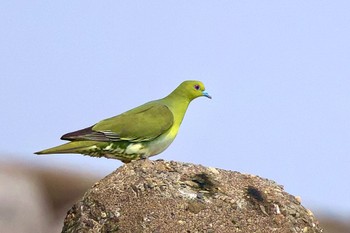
(76, 147)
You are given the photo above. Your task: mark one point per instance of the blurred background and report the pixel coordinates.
(278, 72)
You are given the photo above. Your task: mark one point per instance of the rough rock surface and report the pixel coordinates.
(161, 196)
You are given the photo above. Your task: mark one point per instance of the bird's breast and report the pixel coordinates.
(161, 143)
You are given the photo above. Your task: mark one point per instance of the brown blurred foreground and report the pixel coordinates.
(35, 200)
(39, 199)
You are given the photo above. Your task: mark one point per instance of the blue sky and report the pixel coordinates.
(278, 72)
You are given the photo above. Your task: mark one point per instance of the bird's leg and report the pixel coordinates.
(144, 157)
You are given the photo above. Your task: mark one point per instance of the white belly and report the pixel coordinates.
(159, 145)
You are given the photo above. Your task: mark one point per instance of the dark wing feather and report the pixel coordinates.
(83, 134)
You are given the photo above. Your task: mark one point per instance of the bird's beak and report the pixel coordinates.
(204, 93)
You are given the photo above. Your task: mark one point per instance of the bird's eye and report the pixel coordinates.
(196, 87)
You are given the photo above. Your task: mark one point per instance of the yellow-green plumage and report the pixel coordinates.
(141, 132)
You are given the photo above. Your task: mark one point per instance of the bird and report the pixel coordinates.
(139, 133)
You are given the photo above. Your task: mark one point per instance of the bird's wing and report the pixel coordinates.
(140, 124)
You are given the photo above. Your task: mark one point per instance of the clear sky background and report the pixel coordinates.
(278, 71)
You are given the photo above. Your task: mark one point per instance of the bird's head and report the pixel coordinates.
(192, 89)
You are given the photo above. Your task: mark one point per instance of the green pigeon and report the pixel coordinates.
(139, 133)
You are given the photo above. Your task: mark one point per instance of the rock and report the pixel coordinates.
(161, 196)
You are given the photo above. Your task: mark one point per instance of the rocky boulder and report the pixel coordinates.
(162, 196)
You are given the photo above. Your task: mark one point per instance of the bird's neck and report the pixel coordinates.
(178, 104)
